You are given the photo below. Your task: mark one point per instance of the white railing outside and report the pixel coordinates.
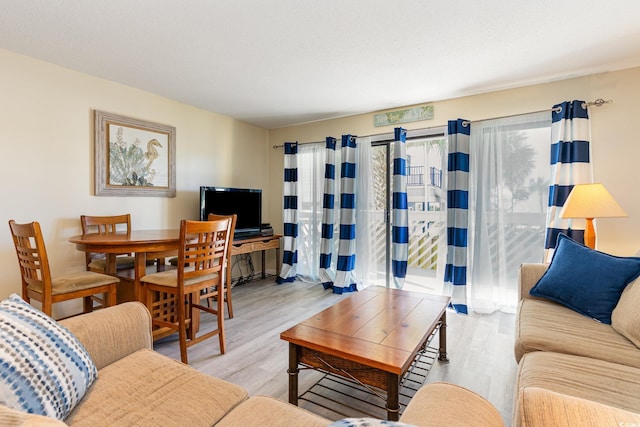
(522, 232)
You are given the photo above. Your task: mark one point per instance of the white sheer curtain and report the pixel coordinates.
(508, 176)
(365, 270)
(310, 182)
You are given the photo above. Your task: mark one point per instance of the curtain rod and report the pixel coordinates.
(597, 103)
(413, 133)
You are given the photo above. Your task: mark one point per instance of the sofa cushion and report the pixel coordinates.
(607, 383)
(585, 280)
(543, 408)
(149, 389)
(45, 369)
(625, 318)
(547, 326)
(261, 411)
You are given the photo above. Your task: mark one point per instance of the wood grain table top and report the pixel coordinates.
(133, 241)
(377, 327)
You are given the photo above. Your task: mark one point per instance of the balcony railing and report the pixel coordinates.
(416, 176)
(436, 177)
(523, 238)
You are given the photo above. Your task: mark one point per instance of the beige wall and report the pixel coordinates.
(46, 165)
(615, 149)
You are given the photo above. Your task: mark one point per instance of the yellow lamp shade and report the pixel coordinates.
(591, 201)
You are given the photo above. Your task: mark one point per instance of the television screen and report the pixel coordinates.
(244, 202)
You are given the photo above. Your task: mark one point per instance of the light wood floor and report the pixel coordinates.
(480, 347)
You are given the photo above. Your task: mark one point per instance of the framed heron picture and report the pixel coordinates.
(133, 157)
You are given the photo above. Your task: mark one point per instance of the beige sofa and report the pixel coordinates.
(137, 386)
(572, 367)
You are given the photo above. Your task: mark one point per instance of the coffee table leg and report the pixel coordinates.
(393, 400)
(443, 339)
(293, 374)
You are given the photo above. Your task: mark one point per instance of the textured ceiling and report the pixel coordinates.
(275, 63)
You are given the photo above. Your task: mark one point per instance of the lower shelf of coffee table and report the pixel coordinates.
(334, 396)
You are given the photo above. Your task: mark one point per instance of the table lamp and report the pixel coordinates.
(590, 201)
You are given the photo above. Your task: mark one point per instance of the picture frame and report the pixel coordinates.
(133, 157)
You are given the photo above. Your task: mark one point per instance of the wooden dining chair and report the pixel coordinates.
(37, 282)
(106, 225)
(210, 296)
(173, 296)
(109, 225)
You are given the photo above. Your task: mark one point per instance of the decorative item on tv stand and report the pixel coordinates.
(266, 229)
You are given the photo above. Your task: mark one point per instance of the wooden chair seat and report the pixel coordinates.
(75, 282)
(37, 282)
(170, 278)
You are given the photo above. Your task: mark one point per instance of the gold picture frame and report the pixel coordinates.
(133, 157)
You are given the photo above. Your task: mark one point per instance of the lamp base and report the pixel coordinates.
(590, 234)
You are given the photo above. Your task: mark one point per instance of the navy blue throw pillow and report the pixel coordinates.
(585, 280)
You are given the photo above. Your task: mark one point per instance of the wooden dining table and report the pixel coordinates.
(143, 244)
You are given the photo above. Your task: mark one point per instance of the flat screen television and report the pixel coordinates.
(244, 202)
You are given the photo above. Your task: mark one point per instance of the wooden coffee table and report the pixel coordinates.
(371, 337)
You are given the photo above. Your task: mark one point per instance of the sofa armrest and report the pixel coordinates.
(542, 408)
(528, 276)
(114, 332)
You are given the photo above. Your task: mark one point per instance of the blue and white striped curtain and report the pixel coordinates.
(327, 275)
(345, 280)
(400, 214)
(457, 212)
(290, 214)
(570, 165)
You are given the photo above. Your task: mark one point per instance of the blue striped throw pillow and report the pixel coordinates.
(44, 369)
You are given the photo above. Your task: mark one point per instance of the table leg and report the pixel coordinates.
(263, 262)
(278, 261)
(442, 356)
(140, 271)
(110, 266)
(293, 374)
(393, 399)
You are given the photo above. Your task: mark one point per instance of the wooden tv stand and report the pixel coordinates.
(259, 243)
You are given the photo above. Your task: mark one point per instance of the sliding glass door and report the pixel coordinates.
(427, 217)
